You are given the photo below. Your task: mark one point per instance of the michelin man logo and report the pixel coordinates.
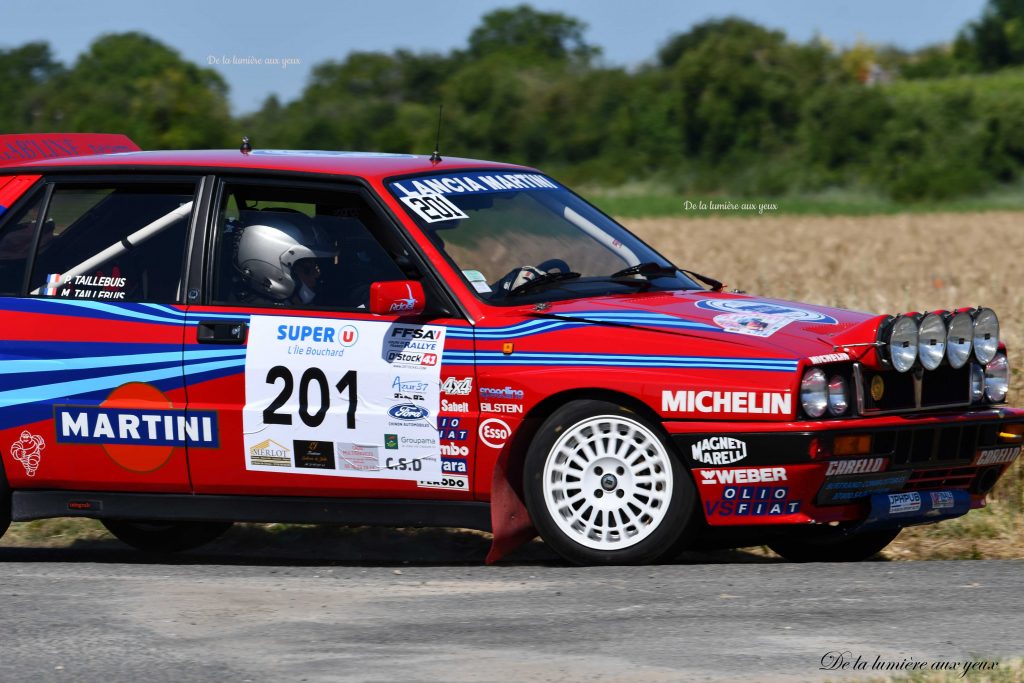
(26, 450)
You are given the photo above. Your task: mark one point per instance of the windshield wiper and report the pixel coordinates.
(543, 279)
(648, 269)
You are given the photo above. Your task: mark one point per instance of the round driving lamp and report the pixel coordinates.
(959, 339)
(931, 342)
(814, 392)
(986, 335)
(838, 396)
(997, 378)
(902, 341)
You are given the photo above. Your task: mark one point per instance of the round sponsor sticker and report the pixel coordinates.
(755, 308)
(495, 432)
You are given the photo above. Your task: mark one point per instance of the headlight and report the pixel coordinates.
(931, 344)
(813, 392)
(958, 339)
(977, 383)
(903, 343)
(838, 400)
(986, 335)
(997, 378)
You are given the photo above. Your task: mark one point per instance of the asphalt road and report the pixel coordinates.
(110, 615)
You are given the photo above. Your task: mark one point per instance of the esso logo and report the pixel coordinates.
(408, 411)
(494, 432)
(348, 335)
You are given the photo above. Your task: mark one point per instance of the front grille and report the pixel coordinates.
(941, 478)
(900, 392)
(935, 446)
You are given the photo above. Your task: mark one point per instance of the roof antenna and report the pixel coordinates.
(436, 156)
(246, 145)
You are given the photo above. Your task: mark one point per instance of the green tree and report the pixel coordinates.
(130, 83)
(526, 35)
(996, 39)
(24, 72)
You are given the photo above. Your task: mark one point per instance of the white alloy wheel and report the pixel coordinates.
(607, 482)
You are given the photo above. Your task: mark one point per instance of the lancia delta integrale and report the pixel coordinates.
(197, 338)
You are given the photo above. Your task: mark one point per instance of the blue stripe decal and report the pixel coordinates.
(618, 360)
(540, 326)
(2, 210)
(89, 309)
(22, 366)
(62, 390)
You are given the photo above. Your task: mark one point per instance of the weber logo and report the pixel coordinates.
(859, 466)
(753, 475)
(718, 450)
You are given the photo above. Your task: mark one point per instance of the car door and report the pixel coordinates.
(315, 394)
(92, 395)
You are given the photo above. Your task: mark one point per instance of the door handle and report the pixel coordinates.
(221, 332)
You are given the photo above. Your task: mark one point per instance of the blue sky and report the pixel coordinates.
(302, 33)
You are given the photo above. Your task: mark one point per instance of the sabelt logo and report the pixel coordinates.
(718, 450)
(752, 475)
(408, 412)
(858, 466)
(494, 432)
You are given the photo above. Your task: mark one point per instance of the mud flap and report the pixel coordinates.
(511, 526)
(890, 510)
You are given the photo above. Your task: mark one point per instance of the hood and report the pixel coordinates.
(791, 329)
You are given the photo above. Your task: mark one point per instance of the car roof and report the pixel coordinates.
(370, 165)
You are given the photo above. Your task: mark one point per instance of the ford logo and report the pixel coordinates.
(408, 411)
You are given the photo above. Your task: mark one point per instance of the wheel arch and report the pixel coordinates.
(510, 520)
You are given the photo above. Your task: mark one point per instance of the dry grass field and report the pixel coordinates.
(881, 264)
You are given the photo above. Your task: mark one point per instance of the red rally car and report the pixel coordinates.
(197, 338)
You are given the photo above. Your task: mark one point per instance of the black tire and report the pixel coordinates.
(834, 547)
(165, 537)
(631, 519)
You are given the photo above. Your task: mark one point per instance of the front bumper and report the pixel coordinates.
(793, 473)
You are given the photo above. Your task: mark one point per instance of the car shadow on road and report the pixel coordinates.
(325, 545)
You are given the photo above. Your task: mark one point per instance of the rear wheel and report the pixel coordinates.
(837, 546)
(603, 486)
(165, 537)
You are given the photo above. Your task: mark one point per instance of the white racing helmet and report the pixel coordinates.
(271, 243)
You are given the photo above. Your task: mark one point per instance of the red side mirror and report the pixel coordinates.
(404, 297)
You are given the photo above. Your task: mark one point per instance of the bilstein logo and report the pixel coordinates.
(408, 412)
(718, 450)
(137, 427)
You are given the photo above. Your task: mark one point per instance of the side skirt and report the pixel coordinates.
(29, 505)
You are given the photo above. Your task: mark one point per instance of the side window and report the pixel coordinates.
(117, 242)
(16, 243)
(298, 248)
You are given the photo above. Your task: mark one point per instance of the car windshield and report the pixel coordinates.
(522, 237)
